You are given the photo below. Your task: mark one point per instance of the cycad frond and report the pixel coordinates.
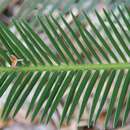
(101, 62)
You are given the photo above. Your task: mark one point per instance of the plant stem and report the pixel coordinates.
(56, 68)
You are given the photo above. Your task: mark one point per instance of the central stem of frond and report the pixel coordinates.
(56, 68)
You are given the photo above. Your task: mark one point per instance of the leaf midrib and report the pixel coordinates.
(56, 68)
